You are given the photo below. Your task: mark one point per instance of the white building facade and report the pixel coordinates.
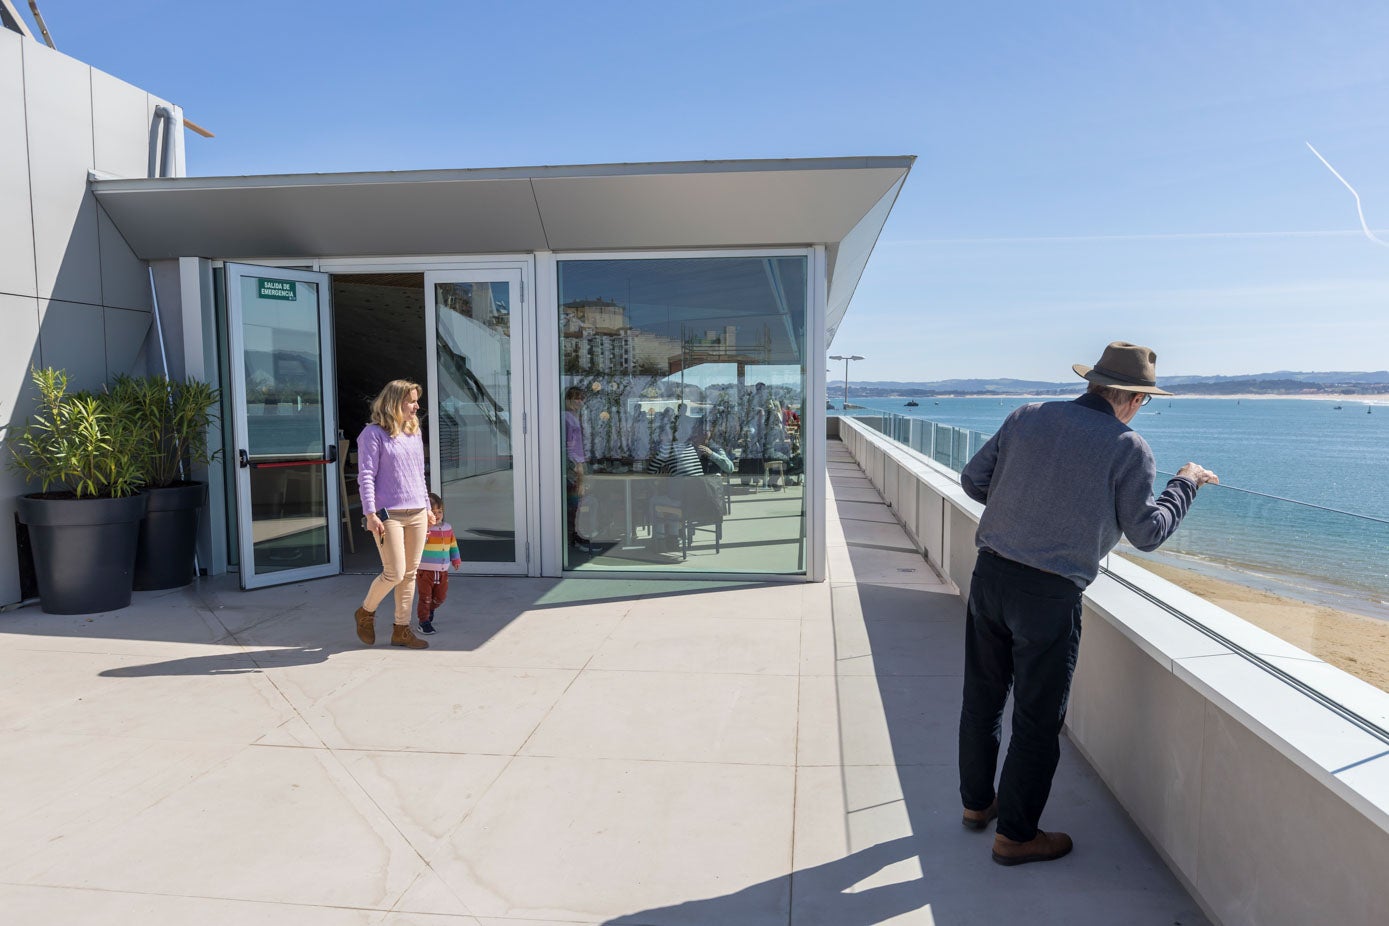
(692, 303)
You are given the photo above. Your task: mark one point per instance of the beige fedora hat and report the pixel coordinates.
(1124, 366)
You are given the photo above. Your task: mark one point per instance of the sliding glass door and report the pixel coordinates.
(476, 408)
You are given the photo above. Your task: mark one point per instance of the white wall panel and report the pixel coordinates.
(931, 518)
(960, 529)
(125, 281)
(71, 338)
(121, 120)
(1141, 728)
(16, 222)
(19, 319)
(129, 339)
(58, 109)
(1277, 848)
(11, 487)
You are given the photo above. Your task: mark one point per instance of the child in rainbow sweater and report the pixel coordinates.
(432, 578)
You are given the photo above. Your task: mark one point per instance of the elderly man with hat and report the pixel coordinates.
(1060, 482)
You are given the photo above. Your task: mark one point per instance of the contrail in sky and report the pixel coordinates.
(1361, 212)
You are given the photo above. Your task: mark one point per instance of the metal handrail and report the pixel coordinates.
(1294, 501)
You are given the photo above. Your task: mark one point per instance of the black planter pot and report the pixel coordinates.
(169, 536)
(84, 550)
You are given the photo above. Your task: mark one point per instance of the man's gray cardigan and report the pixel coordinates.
(1060, 482)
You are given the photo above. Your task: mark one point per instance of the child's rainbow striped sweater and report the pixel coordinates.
(440, 548)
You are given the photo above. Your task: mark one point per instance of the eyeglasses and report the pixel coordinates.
(1147, 397)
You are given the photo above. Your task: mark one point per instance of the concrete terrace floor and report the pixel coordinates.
(568, 751)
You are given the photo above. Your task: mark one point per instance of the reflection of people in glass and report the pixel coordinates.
(574, 458)
(776, 446)
(390, 477)
(691, 496)
(711, 454)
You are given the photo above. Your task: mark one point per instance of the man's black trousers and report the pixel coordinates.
(1022, 630)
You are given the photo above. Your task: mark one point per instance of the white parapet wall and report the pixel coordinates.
(1270, 804)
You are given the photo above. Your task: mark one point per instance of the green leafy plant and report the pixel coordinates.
(175, 418)
(82, 444)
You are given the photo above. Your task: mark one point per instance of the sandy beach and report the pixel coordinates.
(1352, 642)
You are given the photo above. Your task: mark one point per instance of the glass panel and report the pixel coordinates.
(280, 342)
(473, 344)
(684, 384)
(289, 516)
(1314, 576)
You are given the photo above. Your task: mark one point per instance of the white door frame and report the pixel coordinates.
(233, 272)
(522, 403)
(525, 263)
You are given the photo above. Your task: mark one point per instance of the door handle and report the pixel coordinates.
(242, 459)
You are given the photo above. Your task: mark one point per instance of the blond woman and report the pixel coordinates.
(390, 477)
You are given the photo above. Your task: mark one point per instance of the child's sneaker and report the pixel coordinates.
(427, 627)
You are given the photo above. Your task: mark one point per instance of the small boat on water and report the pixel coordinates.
(1336, 408)
(911, 403)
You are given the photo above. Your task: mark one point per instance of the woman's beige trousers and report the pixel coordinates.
(401, 548)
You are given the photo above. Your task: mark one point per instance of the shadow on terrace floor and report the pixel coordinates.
(821, 894)
(899, 642)
(309, 622)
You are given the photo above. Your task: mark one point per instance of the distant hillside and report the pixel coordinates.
(959, 385)
(1381, 377)
(1282, 382)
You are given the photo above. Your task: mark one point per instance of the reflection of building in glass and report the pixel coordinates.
(655, 354)
(472, 325)
(598, 339)
(478, 302)
(715, 346)
(713, 340)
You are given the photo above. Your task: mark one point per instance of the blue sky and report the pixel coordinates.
(1088, 171)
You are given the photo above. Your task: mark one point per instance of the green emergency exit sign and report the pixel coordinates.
(278, 289)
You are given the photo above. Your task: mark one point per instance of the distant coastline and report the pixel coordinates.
(1283, 384)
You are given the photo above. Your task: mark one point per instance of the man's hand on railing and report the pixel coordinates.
(1198, 474)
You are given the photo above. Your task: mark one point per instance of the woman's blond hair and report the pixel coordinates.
(388, 408)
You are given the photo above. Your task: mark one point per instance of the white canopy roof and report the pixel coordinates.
(841, 203)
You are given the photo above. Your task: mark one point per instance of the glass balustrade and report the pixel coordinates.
(1314, 576)
(947, 445)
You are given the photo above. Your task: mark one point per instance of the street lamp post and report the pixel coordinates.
(846, 374)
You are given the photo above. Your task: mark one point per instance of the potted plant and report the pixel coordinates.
(84, 453)
(174, 418)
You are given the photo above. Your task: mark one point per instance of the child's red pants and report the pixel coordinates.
(431, 588)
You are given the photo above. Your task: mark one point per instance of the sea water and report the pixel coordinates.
(1325, 454)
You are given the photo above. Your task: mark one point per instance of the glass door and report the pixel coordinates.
(476, 419)
(279, 334)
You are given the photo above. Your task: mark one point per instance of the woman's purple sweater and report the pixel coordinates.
(390, 470)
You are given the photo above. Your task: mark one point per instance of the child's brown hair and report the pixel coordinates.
(435, 501)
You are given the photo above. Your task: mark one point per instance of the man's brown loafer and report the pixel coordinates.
(1044, 847)
(978, 819)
